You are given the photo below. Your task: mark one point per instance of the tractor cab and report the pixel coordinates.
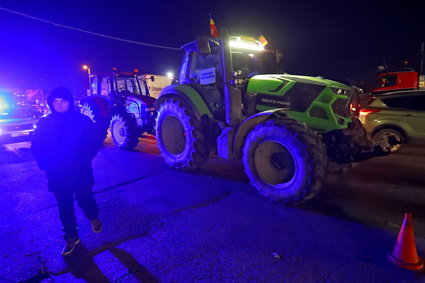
(203, 67)
(203, 60)
(117, 83)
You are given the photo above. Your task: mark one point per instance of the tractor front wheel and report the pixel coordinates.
(181, 140)
(285, 160)
(124, 131)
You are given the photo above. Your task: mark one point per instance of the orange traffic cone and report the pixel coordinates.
(404, 253)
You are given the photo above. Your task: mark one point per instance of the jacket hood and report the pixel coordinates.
(60, 92)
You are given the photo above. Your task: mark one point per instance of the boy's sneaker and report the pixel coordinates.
(70, 246)
(96, 225)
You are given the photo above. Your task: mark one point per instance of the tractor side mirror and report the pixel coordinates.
(203, 45)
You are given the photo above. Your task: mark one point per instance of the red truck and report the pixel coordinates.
(398, 79)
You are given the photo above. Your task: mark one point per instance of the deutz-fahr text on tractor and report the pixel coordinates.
(286, 129)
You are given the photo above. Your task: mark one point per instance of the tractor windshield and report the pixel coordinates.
(128, 84)
(247, 64)
(251, 64)
(249, 58)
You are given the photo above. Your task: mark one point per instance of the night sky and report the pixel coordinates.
(339, 40)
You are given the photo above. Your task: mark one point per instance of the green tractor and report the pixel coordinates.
(287, 129)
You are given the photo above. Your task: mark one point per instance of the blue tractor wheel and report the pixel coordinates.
(285, 160)
(124, 131)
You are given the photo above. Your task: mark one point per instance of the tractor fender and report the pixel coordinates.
(100, 102)
(188, 95)
(248, 124)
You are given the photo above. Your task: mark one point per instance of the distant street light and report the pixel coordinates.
(85, 67)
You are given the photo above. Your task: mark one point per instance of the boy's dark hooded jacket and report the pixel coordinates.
(64, 144)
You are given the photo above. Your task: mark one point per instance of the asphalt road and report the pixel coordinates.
(163, 225)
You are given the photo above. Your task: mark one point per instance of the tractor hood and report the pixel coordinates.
(275, 83)
(320, 103)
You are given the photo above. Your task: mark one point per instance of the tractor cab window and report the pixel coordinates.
(185, 66)
(128, 85)
(246, 64)
(205, 69)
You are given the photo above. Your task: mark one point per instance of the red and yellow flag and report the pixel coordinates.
(213, 28)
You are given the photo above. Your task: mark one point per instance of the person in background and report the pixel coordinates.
(64, 145)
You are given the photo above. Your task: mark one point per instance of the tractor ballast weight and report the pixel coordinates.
(286, 129)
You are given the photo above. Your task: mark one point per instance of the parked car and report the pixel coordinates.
(17, 122)
(396, 116)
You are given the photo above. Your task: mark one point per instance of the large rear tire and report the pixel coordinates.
(124, 131)
(285, 160)
(181, 140)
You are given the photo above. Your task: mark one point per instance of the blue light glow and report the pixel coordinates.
(4, 104)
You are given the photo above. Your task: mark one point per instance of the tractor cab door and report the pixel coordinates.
(204, 72)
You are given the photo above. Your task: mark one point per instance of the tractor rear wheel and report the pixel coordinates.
(124, 131)
(181, 140)
(285, 160)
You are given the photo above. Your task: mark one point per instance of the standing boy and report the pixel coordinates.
(64, 145)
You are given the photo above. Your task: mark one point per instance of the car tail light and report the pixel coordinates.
(365, 112)
(355, 108)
